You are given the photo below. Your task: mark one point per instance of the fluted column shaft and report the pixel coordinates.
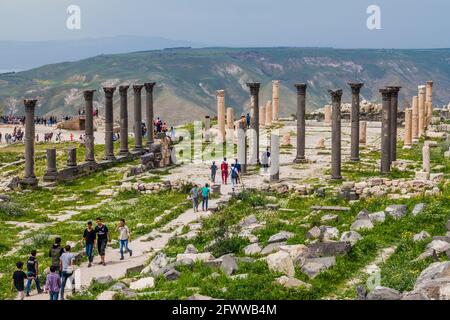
(109, 123)
(336, 96)
(30, 176)
(254, 123)
(123, 90)
(301, 125)
(386, 131)
(356, 88)
(393, 127)
(89, 125)
(137, 117)
(149, 111)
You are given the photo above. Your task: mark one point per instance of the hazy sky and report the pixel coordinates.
(405, 23)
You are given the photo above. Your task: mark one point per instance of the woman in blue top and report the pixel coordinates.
(205, 196)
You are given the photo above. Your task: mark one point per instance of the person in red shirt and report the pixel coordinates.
(224, 169)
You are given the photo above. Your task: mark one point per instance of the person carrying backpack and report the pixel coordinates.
(32, 274)
(213, 171)
(234, 175)
(55, 253)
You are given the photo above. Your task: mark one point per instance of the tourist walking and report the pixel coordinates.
(234, 175)
(213, 171)
(224, 170)
(124, 238)
(205, 197)
(32, 273)
(55, 253)
(18, 280)
(103, 238)
(53, 283)
(239, 169)
(194, 197)
(265, 159)
(89, 242)
(248, 120)
(66, 266)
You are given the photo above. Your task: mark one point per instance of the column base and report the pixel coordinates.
(109, 158)
(300, 160)
(50, 176)
(355, 159)
(30, 181)
(124, 153)
(336, 178)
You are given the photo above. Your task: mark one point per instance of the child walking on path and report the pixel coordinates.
(53, 283)
(18, 280)
(124, 238)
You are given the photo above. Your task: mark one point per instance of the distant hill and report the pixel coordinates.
(188, 78)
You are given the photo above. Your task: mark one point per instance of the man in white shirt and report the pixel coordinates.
(124, 237)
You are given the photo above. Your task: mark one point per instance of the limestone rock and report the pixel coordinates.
(199, 297)
(295, 250)
(312, 267)
(313, 233)
(104, 279)
(158, 262)
(203, 257)
(439, 246)
(106, 295)
(329, 218)
(143, 283)
(252, 249)
(377, 217)
(248, 221)
(397, 211)
(363, 224)
(328, 249)
(434, 281)
(281, 262)
(351, 236)
(363, 214)
(272, 247)
(280, 237)
(190, 248)
(383, 293)
(329, 233)
(418, 209)
(229, 264)
(421, 236)
(171, 275)
(290, 282)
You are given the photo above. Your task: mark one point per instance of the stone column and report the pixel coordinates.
(336, 96)
(407, 142)
(89, 125)
(71, 157)
(415, 118)
(422, 114)
(268, 112)
(242, 146)
(274, 168)
(230, 118)
(207, 128)
(429, 101)
(356, 88)
(51, 172)
(123, 90)
(386, 131)
(262, 116)
(220, 94)
(363, 132)
(394, 112)
(275, 100)
(327, 114)
(254, 123)
(30, 177)
(301, 126)
(426, 158)
(137, 118)
(109, 123)
(149, 111)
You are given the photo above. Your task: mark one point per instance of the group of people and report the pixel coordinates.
(12, 119)
(199, 193)
(234, 172)
(15, 136)
(63, 261)
(46, 121)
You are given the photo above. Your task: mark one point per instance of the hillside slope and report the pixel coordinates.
(187, 78)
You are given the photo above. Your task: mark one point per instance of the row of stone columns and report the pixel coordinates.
(30, 177)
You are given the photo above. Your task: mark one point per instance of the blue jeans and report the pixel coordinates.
(204, 203)
(32, 276)
(195, 204)
(54, 295)
(124, 245)
(90, 251)
(64, 278)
